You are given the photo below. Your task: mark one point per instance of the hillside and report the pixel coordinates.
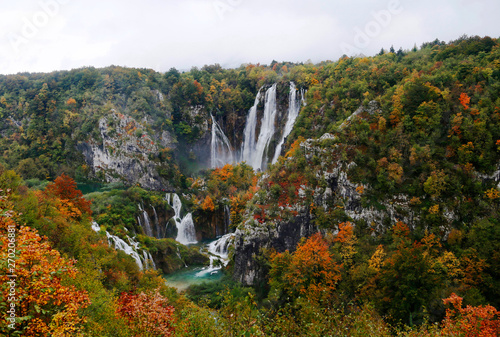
(352, 196)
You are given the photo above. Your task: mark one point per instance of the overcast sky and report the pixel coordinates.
(47, 35)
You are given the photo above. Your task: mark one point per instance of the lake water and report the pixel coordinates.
(185, 277)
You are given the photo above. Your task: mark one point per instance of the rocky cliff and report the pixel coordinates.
(124, 152)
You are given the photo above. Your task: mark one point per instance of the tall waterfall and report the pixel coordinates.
(293, 112)
(249, 132)
(186, 233)
(255, 149)
(221, 152)
(266, 128)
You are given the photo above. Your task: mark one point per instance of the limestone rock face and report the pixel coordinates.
(123, 153)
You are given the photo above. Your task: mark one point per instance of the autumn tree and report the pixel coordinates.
(309, 271)
(44, 304)
(347, 240)
(208, 204)
(71, 199)
(470, 321)
(147, 313)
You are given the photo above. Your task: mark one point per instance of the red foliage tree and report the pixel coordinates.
(147, 314)
(64, 188)
(482, 321)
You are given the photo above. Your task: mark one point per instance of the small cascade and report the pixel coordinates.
(180, 257)
(218, 251)
(147, 222)
(186, 233)
(249, 132)
(95, 227)
(220, 246)
(123, 246)
(227, 218)
(149, 259)
(157, 224)
(221, 152)
(131, 248)
(293, 112)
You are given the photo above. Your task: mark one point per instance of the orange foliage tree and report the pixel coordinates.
(147, 314)
(464, 100)
(32, 282)
(309, 271)
(208, 204)
(483, 321)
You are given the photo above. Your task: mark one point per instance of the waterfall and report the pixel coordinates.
(249, 132)
(131, 248)
(293, 112)
(218, 251)
(147, 221)
(255, 150)
(302, 97)
(266, 129)
(220, 246)
(95, 227)
(180, 257)
(157, 224)
(186, 233)
(149, 259)
(221, 152)
(128, 249)
(227, 218)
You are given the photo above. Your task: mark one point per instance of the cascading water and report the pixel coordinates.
(266, 128)
(149, 258)
(147, 222)
(253, 151)
(131, 248)
(218, 251)
(293, 112)
(227, 218)
(157, 224)
(221, 152)
(186, 233)
(249, 132)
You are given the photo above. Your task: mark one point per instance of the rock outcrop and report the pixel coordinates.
(123, 153)
(254, 237)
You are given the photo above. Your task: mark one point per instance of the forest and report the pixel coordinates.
(379, 218)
